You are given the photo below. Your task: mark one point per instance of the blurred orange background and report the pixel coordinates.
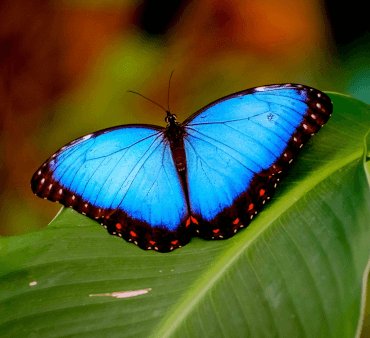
(66, 67)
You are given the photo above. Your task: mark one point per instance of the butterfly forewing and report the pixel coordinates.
(125, 178)
(239, 147)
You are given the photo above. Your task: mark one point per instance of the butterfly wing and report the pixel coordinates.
(123, 177)
(238, 148)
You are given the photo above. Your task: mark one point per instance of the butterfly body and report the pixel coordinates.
(175, 136)
(208, 176)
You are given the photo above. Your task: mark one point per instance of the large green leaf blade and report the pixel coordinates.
(294, 279)
(296, 271)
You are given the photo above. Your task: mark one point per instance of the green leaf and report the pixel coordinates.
(297, 271)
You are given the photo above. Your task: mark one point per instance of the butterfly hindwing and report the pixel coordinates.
(238, 148)
(124, 178)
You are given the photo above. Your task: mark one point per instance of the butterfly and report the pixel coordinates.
(208, 177)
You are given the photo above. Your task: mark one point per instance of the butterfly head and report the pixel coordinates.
(171, 119)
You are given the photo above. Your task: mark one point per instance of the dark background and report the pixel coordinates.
(66, 67)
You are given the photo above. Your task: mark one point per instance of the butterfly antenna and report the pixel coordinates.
(130, 91)
(168, 97)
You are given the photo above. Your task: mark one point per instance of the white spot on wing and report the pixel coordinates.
(122, 294)
(86, 137)
(33, 283)
(260, 89)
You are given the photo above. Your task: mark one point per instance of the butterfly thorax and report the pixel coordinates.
(175, 135)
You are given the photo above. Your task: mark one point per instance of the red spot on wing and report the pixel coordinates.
(151, 242)
(251, 206)
(118, 226)
(133, 234)
(191, 219)
(262, 192)
(236, 221)
(174, 242)
(216, 231)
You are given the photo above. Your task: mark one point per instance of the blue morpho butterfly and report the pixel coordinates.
(207, 177)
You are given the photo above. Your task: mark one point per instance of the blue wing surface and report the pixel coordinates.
(128, 169)
(233, 140)
(217, 174)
